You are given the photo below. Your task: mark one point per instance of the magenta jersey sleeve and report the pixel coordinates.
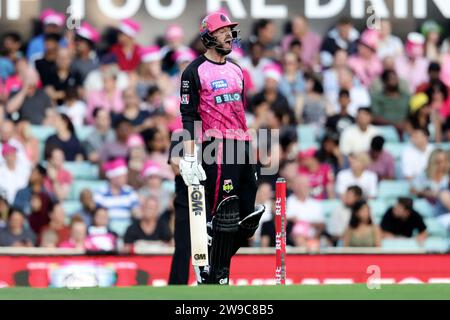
(214, 93)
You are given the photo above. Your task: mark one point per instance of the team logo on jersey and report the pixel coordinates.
(228, 97)
(228, 186)
(219, 84)
(185, 99)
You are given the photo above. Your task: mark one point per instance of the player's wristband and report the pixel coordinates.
(190, 158)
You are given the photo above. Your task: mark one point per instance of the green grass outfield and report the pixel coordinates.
(330, 292)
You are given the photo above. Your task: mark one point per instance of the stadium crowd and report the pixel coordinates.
(86, 119)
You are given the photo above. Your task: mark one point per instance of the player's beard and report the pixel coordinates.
(222, 51)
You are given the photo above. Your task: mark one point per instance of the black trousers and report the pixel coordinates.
(179, 271)
(230, 170)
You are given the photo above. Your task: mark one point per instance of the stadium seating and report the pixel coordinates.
(306, 134)
(379, 207)
(42, 132)
(389, 133)
(423, 207)
(389, 189)
(83, 132)
(395, 149)
(80, 185)
(435, 244)
(82, 170)
(71, 207)
(435, 228)
(328, 206)
(400, 244)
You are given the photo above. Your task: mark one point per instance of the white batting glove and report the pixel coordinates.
(191, 171)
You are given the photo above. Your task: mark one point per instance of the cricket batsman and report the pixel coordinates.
(212, 91)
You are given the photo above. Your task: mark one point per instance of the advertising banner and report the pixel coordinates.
(156, 15)
(106, 271)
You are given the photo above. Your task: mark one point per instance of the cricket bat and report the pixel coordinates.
(197, 221)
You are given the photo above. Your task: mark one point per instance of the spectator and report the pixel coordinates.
(174, 38)
(108, 68)
(53, 24)
(58, 181)
(434, 74)
(46, 65)
(391, 106)
(14, 177)
(330, 75)
(343, 36)
(4, 211)
(365, 63)
(49, 239)
(153, 177)
(305, 213)
(265, 32)
(74, 107)
(416, 154)
(255, 64)
(127, 51)
(118, 198)
(118, 148)
(88, 206)
(152, 229)
(292, 84)
(100, 237)
(35, 187)
(413, 66)
(382, 162)
(402, 221)
(329, 152)
(423, 115)
(58, 79)
(359, 95)
(358, 175)
(432, 31)
(138, 118)
(272, 95)
(78, 235)
(151, 73)
(85, 60)
(320, 176)
(300, 31)
(57, 224)
(101, 135)
(12, 43)
(30, 103)
(268, 230)
(136, 160)
(361, 231)
(65, 139)
(16, 234)
(435, 178)
(337, 123)
(313, 107)
(340, 217)
(110, 97)
(357, 138)
(30, 144)
(388, 44)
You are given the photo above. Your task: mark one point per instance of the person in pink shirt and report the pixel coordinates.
(127, 51)
(413, 66)
(109, 98)
(320, 176)
(310, 41)
(365, 63)
(78, 235)
(58, 180)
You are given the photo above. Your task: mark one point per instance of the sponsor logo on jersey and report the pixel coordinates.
(219, 84)
(228, 186)
(228, 97)
(185, 99)
(185, 86)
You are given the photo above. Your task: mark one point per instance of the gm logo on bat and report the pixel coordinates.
(197, 203)
(200, 257)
